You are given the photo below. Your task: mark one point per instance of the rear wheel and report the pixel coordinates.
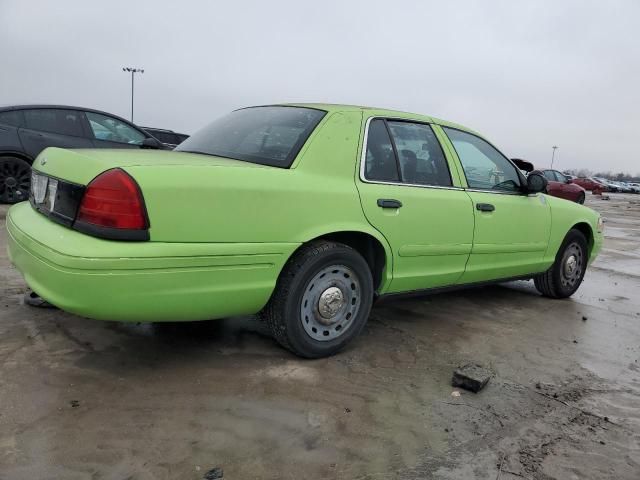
(566, 274)
(15, 179)
(581, 199)
(322, 299)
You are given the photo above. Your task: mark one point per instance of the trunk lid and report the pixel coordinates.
(82, 166)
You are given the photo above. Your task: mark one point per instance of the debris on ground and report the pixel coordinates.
(471, 377)
(584, 318)
(74, 403)
(455, 393)
(213, 474)
(32, 299)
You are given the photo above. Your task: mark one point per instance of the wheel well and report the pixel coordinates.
(19, 155)
(366, 245)
(585, 229)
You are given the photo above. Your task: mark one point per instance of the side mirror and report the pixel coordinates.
(536, 182)
(569, 180)
(523, 165)
(152, 143)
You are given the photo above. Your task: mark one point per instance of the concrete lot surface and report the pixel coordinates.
(82, 399)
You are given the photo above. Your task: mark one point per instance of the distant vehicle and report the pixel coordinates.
(559, 185)
(26, 130)
(625, 187)
(168, 137)
(635, 186)
(589, 183)
(610, 185)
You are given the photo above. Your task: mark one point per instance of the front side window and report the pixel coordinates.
(560, 177)
(54, 120)
(265, 135)
(111, 129)
(421, 159)
(484, 167)
(549, 175)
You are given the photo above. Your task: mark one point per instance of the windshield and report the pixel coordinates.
(266, 135)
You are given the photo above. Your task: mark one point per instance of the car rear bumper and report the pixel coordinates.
(141, 281)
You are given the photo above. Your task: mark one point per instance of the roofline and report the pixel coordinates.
(64, 107)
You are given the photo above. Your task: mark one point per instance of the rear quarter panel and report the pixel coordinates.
(252, 203)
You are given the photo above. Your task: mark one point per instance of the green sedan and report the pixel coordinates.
(303, 213)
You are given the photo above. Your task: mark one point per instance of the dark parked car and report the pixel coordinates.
(26, 130)
(559, 185)
(168, 137)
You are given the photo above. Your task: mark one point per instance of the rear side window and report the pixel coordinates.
(421, 159)
(60, 121)
(401, 151)
(380, 162)
(549, 175)
(12, 117)
(265, 135)
(484, 167)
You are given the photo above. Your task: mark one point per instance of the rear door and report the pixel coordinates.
(52, 127)
(410, 194)
(109, 132)
(511, 228)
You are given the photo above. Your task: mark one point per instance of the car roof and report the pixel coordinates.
(381, 112)
(7, 108)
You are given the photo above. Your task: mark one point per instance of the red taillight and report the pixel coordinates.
(113, 200)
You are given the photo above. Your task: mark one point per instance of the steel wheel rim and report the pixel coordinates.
(15, 179)
(330, 303)
(572, 265)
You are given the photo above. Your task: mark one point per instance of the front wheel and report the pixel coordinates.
(322, 299)
(581, 199)
(15, 179)
(567, 272)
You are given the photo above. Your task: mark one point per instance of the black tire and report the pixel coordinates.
(15, 180)
(316, 272)
(581, 199)
(562, 280)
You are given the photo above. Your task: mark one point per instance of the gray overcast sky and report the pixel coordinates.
(528, 75)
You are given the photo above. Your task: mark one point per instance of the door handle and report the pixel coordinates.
(389, 203)
(485, 207)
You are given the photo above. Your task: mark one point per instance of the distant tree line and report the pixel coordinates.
(619, 177)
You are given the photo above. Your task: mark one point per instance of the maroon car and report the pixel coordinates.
(563, 187)
(591, 185)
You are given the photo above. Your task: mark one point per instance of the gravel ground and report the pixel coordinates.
(83, 399)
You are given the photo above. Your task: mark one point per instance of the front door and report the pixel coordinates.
(511, 228)
(408, 194)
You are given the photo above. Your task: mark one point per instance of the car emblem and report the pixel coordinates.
(43, 161)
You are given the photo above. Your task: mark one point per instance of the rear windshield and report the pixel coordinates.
(266, 135)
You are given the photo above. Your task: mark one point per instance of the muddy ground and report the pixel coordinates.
(83, 399)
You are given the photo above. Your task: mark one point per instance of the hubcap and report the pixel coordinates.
(330, 303)
(572, 265)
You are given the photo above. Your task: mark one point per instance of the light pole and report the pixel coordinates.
(133, 72)
(553, 154)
